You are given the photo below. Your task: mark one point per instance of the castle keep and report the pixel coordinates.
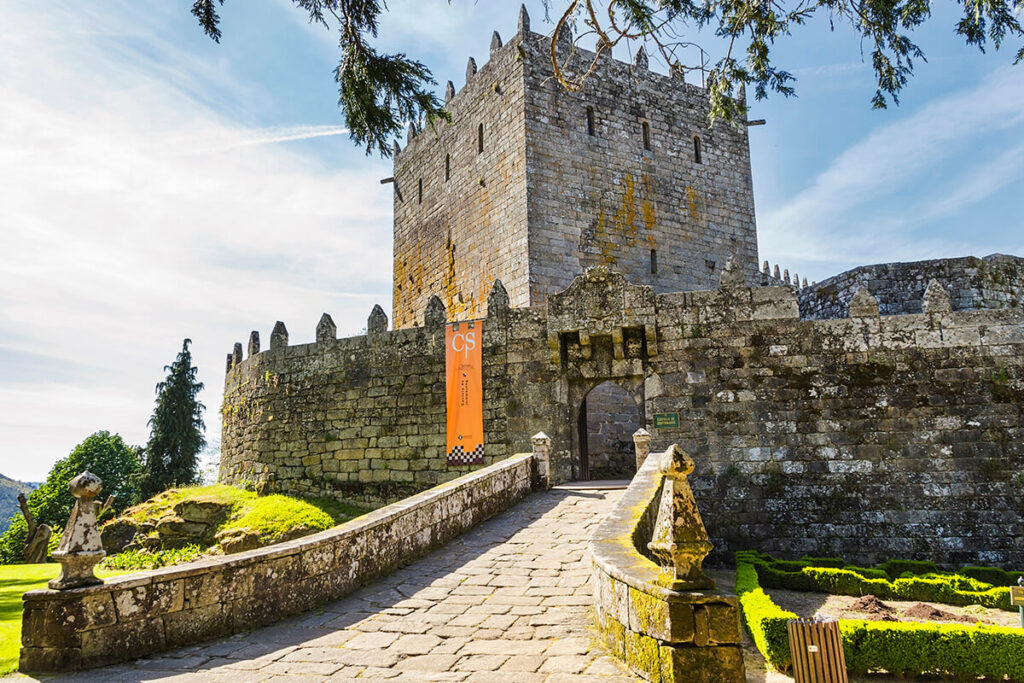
(530, 184)
(876, 414)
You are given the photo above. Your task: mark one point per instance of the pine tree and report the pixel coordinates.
(177, 428)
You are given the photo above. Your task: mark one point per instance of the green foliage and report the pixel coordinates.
(991, 575)
(897, 568)
(900, 649)
(177, 426)
(9, 490)
(105, 455)
(836, 562)
(274, 516)
(765, 620)
(135, 560)
(378, 92)
(934, 586)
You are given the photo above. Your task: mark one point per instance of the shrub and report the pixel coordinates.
(765, 620)
(901, 649)
(896, 568)
(131, 560)
(992, 575)
(834, 562)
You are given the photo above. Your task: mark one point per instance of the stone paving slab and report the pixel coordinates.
(508, 601)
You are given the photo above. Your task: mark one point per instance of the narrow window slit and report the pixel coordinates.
(647, 135)
(419, 199)
(447, 167)
(480, 139)
(654, 260)
(590, 121)
(696, 149)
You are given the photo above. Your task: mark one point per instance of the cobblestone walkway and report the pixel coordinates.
(509, 601)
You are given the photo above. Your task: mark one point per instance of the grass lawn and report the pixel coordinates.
(16, 579)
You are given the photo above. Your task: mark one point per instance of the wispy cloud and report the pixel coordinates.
(875, 201)
(133, 214)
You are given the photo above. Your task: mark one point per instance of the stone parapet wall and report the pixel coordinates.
(869, 437)
(996, 281)
(665, 636)
(132, 616)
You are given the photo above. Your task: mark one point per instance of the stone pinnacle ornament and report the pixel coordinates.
(80, 548)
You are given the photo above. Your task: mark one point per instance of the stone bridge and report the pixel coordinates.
(507, 601)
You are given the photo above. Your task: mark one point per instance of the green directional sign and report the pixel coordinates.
(666, 420)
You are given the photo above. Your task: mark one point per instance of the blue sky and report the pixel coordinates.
(156, 185)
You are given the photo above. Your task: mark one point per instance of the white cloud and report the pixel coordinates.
(876, 200)
(132, 215)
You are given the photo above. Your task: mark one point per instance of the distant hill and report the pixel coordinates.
(9, 490)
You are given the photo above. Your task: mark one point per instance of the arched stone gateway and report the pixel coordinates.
(608, 417)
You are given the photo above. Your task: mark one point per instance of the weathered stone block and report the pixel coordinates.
(702, 664)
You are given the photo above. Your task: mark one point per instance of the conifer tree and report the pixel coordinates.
(177, 428)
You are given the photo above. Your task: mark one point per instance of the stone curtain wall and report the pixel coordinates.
(362, 418)
(603, 199)
(869, 437)
(996, 281)
(467, 228)
(134, 616)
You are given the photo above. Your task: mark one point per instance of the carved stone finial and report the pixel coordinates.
(236, 354)
(732, 275)
(680, 540)
(395, 148)
(230, 362)
(776, 274)
(278, 336)
(254, 343)
(640, 59)
(642, 446)
(803, 284)
(936, 299)
(785, 276)
(497, 300)
(524, 20)
(80, 547)
(766, 269)
(435, 316)
(796, 280)
(495, 42)
(449, 92)
(863, 304)
(470, 69)
(378, 320)
(410, 133)
(326, 330)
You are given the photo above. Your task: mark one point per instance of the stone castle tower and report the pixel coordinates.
(531, 184)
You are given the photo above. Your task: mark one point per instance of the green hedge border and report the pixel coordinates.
(901, 649)
(927, 585)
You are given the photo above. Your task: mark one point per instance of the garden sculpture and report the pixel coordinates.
(680, 541)
(80, 548)
(38, 539)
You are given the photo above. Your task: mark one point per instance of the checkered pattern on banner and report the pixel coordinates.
(459, 456)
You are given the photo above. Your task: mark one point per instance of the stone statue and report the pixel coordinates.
(80, 548)
(680, 540)
(38, 535)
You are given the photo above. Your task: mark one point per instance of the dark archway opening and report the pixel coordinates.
(607, 419)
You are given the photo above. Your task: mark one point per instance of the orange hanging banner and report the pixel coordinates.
(465, 386)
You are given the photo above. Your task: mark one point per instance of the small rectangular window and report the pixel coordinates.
(696, 149)
(654, 260)
(480, 139)
(447, 167)
(419, 199)
(647, 135)
(590, 121)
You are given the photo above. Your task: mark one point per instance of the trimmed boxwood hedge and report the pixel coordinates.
(951, 589)
(903, 649)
